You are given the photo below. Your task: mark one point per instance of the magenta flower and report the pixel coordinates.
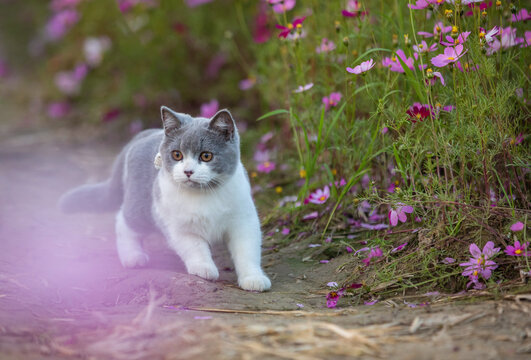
(209, 109)
(281, 6)
(362, 68)
(480, 264)
(303, 88)
(420, 4)
(518, 249)
(448, 260)
(320, 196)
(522, 15)
(517, 226)
(375, 252)
(292, 27)
(399, 214)
(450, 55)
(266, 167)
(418, 112)
(353, 9)
(438, 30)
(333, 296)
(261, 32)
(332, 100)
(399, 247)
(326, 46)
(285, 231)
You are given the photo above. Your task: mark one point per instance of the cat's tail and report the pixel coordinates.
(100, 197)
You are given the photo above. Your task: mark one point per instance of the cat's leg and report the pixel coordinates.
(195, 253)
(244, 243)
(129, 244)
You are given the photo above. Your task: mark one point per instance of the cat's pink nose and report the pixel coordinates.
(188, 172)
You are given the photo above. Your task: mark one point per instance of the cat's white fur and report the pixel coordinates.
(230, 216)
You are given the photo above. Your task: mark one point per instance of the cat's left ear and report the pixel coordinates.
(224, 124)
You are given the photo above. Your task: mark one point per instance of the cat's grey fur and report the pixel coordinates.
(212, 204)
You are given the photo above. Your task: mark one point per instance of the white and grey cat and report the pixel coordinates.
(197, 193)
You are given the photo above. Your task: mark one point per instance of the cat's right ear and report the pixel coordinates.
(171, 120)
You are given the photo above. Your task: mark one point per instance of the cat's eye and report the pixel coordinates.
(206, 156)
(177, 155)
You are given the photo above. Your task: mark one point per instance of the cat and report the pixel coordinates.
(187, 182)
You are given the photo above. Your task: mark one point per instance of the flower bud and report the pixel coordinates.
(449, 14)
(429, 73)
(498, 5)
(338, 26)
(345, 41)
(407, 42)
(395, 39)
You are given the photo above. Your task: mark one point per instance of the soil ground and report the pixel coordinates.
(64, 294)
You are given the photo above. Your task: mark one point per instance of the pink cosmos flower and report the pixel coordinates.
(320, 196)
(424, 48)
(375, 252)
(332, 100)
(292, 27)
(362, 68)
(209, 109)
(399, 214)
(399, 247)
(326, 46)
(450, 55)
(61, 22)
(353, 9)
(285, 231)
(518, 249)
(394, 65)
(311, 216)
(247, 84)
(517, 226)
(69, 82)
(281, 6)
(303, 88)
(461, 39)
(448, 260)
(266, 167)
(58, 109)
(522, 15)
(479, 264)
(438, 30)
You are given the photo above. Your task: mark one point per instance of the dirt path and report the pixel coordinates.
(63, 293)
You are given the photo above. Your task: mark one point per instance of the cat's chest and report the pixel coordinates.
(204, 215)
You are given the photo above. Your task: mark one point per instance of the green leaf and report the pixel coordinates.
(273, 113)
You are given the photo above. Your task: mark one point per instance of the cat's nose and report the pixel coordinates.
(188, 172)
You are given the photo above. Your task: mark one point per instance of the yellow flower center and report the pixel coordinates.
(454, 29)
(299, 26)
(322, 198)
(448, 12)
(290, 26)
(393, 58)
(450, 58)
(421, 46)
(438, 28)
(418, 115)
(438, 105)
(278, 189)
(480, 260)
(475, 273)
(254, 174)
(302, 173)
(267, 164)
(512, 141)
(518, 251)
(481, 35)
(429, 71)
(484, 13)
(334, 172)
(498, 3)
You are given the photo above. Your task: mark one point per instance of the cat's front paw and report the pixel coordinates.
(134, 259)
(206, 271)
(256, 282)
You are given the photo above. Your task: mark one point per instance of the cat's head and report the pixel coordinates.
(199, 153)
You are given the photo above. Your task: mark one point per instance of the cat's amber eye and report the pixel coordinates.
(177, 155)
(206, 156)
